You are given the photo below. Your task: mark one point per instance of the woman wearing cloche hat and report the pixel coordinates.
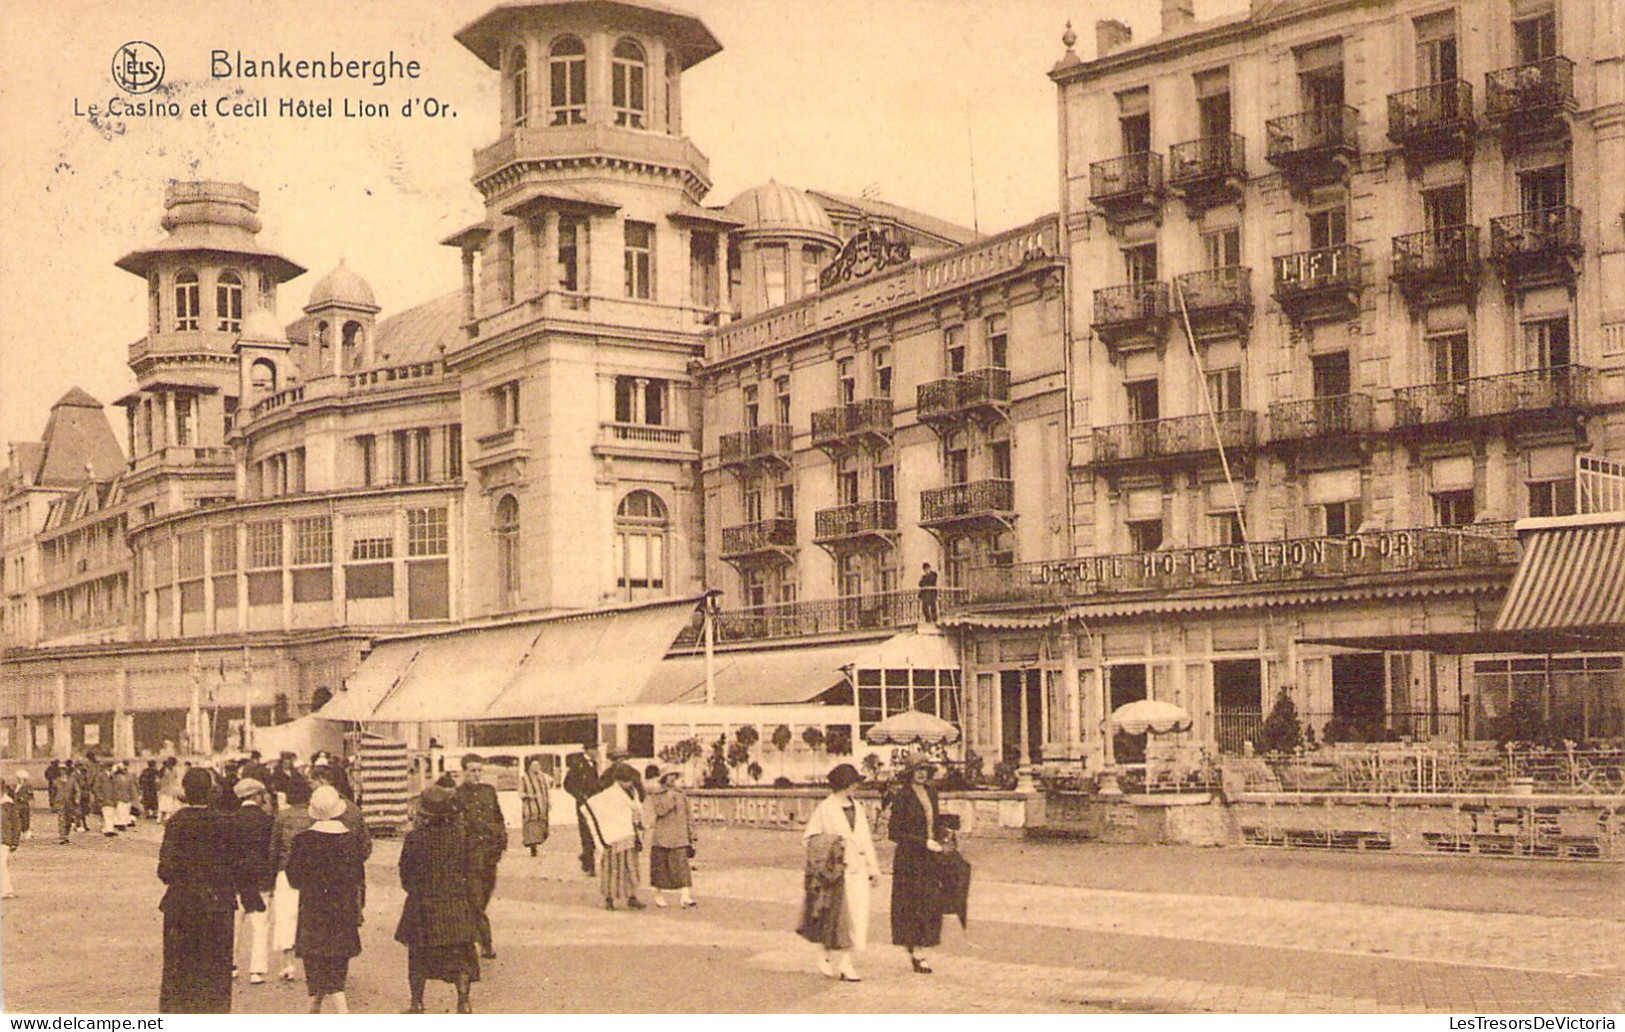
(326, 866)
(841, 869)
(438, 925)
(916, 910)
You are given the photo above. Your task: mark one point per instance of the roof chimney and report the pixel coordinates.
(1111, 36)
(1178, 15)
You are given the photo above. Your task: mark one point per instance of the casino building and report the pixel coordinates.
(1331, 298)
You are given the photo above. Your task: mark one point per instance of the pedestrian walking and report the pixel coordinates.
(671, 838)
(169, 788)
(534, 791)
(85, 774)
(11, 836)
(581, 782)
(488, 838)
(22, 794)
(290, 820)
(251, 827)
(841, 870)
(147, 783)
(65, 798)
(354, 820)
(617, 764)
(195, 863)
(916, 903)
(123, 797)
(617, 819)
(327, 868)
(439, 923)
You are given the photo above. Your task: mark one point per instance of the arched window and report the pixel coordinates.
(674, 72)
(627, 84)
(567, 82)
(507, 532)
(352, 342)
(262, 377)
(640, 546)
(228, 302)
(186, 300)
(519, 86)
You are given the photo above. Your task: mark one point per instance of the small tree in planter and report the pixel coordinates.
(716, 768)
(814, 737)
(739, 749)
(839, 742)
(755, 771)
(1281, 732)
(781, 739)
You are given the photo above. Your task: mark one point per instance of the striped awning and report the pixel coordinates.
(1570, 577)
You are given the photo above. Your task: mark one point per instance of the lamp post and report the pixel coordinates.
(710, 607)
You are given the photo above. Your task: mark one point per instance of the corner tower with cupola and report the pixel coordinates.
(587, 288)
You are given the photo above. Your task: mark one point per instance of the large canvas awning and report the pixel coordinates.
(1571, 577)
(752, 678)
(551, 666)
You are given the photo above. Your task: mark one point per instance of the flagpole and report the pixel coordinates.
(248, 706)
(195, 712)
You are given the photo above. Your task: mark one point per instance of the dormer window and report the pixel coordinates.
(567, 82)
(519, 86)
(186, 300)
(228, 302)
(628, 93)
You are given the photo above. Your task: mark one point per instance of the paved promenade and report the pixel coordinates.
(1054, 927)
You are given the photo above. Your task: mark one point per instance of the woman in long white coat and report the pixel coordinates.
(839, 814)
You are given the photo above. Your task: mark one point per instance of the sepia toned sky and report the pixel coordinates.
(840, 95)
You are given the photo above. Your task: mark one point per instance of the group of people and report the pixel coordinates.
(842, 868)
(620, 814)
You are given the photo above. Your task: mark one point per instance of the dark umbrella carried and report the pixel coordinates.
(953, 872)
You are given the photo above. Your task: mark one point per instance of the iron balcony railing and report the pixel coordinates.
(1388, 552)
(955, 394)
(1533, 390)
(1322, 128)
(961, 501)
(1215, 289)
(855, 520)
(758, 442)
(761, 536)
(1325, 268)
(1132, 175)
(1181, 435)
(1428, 109)
(1447, 252)
(1312, 418)
(1222, 156)
(877, 611)
(1131, 303)
(1529, 90)
(834, 425)
(1543, 233)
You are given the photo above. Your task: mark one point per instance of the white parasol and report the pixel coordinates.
(1153, 715)
(912, 727)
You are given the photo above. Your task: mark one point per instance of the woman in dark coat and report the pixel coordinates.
(439, 925)
(199, 906)
(326, 866)
(916, 908)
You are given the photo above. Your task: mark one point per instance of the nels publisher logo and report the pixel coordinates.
(138, 67)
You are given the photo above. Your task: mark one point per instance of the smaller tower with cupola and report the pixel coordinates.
(341, 313)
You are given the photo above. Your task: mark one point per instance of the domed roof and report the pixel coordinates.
(774, 207)
(343, 287)
(261, 324)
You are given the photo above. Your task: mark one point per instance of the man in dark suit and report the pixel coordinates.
(487, 838)
(581, 781)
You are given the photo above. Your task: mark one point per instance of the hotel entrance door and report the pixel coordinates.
(1021, 716)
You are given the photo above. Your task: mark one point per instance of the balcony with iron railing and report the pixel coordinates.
(1433, 121)
(771, 442)
(1486, 549)
(1320, 284)
(1158, 441)
(1127, 187)
(856, 521)
(1508, 397)
(1435, 265)
(845, 425)
(1534, 248)
(1216, 299)
(1131, 314)
(876, 612)
(966, 395)
(1336, 417)
(1313, 147)
(1530, 98)
(770, 538)
(979, 500)
(1208, 171)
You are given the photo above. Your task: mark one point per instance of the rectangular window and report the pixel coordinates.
(567, 87)
(186, 302)
(1436, 48)
(1222, 248)
(1536, 38)
(1328, 227)
(774, 275)
(809, 270)
(372, 536)
(189, 555)
(784, 501)
(1552, 497)
(846, 385)
(1225, 528)
(1142, 401)
(846, 487)
(313, 541)
(422, 454)
(1134, 120)
(999, 451)
(223, 545)
(640, 238)
(781, 400)
(1451, 362)
(1547, 342)
(957, 464)
(1145, 535)
(886, 483)
(1453, 508)
(1339, 519)
(753, 503)
(1213, 103)
(882, 372)
(505, 404)
(427, 532)
(1330, 374)
(402, 441)
(367, 459)
(454, 451)
(1140, 263)
(1320, 75)
(1224, 389)
(997, 328)
(753, 408)
(1444, 208)
(184, 408)
(572, 254)
(265, 545)
(953, 342)
(1543, 188)
(703, 288)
